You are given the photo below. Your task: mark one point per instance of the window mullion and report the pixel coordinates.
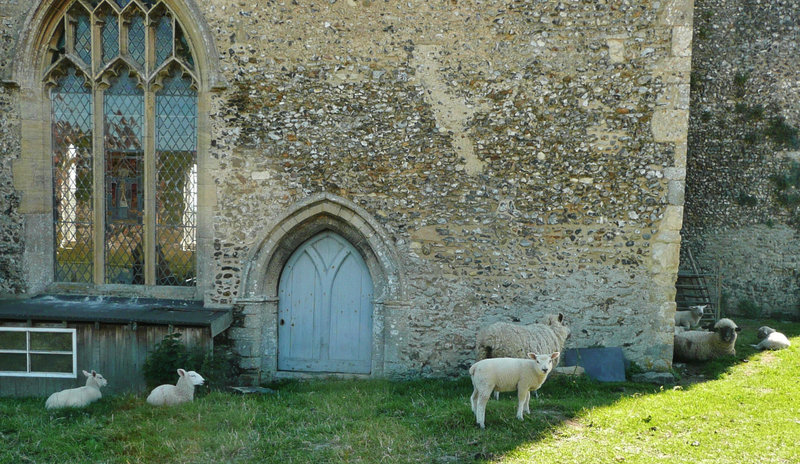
(149, 186)
(99, 205)
(98, 159)
(28, 350)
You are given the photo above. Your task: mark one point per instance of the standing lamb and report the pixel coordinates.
(505, 340)
(698, 345)
(183, 392)
(507, 374)
(690, 318)
(78, 397)
(771, 339)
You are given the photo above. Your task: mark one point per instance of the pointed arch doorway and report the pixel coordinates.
(325, 309)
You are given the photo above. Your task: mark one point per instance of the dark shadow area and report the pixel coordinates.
(437, 414)
(695, 372)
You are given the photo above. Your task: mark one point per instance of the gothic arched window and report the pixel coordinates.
(123, 113)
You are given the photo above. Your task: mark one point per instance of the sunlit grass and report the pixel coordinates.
(745, 412)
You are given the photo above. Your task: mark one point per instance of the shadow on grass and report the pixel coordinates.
(431, 419)
(426, 420)
(696, 372)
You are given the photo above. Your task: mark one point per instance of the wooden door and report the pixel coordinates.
(325, 309)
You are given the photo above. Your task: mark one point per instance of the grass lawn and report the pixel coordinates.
(747, 410)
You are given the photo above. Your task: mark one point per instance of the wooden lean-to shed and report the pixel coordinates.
(46, 341)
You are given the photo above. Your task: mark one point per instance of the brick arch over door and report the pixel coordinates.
(320, 214)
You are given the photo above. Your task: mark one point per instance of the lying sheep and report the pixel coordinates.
(690, 318)
(183, 392)
(697, 345)
(78, 397)
(771, 339)
(507, 374)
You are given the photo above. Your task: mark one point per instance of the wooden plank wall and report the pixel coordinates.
(116, 351)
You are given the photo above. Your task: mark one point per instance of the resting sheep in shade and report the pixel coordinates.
(771, 339)
(697, 345)
(183, 392)
(78, 397)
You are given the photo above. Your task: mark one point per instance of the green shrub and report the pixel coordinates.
(749, 308)
(169, 355)
(744, 199)
(216, 367)
(783, 134)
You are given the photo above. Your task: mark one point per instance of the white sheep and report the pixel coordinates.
(505, 340)
(697, 345)
(78, 397)
(771, 339)
(507, 374)
(690, 318)
(182, 392)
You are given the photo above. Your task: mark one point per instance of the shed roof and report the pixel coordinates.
(116, 310)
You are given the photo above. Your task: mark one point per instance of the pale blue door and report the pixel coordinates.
(325, 309)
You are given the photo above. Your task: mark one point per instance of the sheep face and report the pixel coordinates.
(557, 320)
(698, 310)
(764, 331)
(193, 377)
(727, 332)
(99, 379)
(544, 362)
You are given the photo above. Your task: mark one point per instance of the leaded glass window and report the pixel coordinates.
(123, 97)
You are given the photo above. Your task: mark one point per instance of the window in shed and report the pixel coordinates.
(123, 106)
(38, 352)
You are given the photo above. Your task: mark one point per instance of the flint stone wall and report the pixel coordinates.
(517, 158)
(743, 135)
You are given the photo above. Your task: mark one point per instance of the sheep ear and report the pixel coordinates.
(87, 374)
(555, 355)
(532, 355)
(94, 374)
(738, 329)
(181, 372)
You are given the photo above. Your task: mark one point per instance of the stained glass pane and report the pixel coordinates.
(110, 37)
(163, 40)
(123, 110)
(83, 37)
(176, 181)
(71, 104)
(123, 3)
(136, 37)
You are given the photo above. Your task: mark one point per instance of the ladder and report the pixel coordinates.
(692, 289)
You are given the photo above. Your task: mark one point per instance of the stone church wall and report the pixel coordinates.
(518, 157)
